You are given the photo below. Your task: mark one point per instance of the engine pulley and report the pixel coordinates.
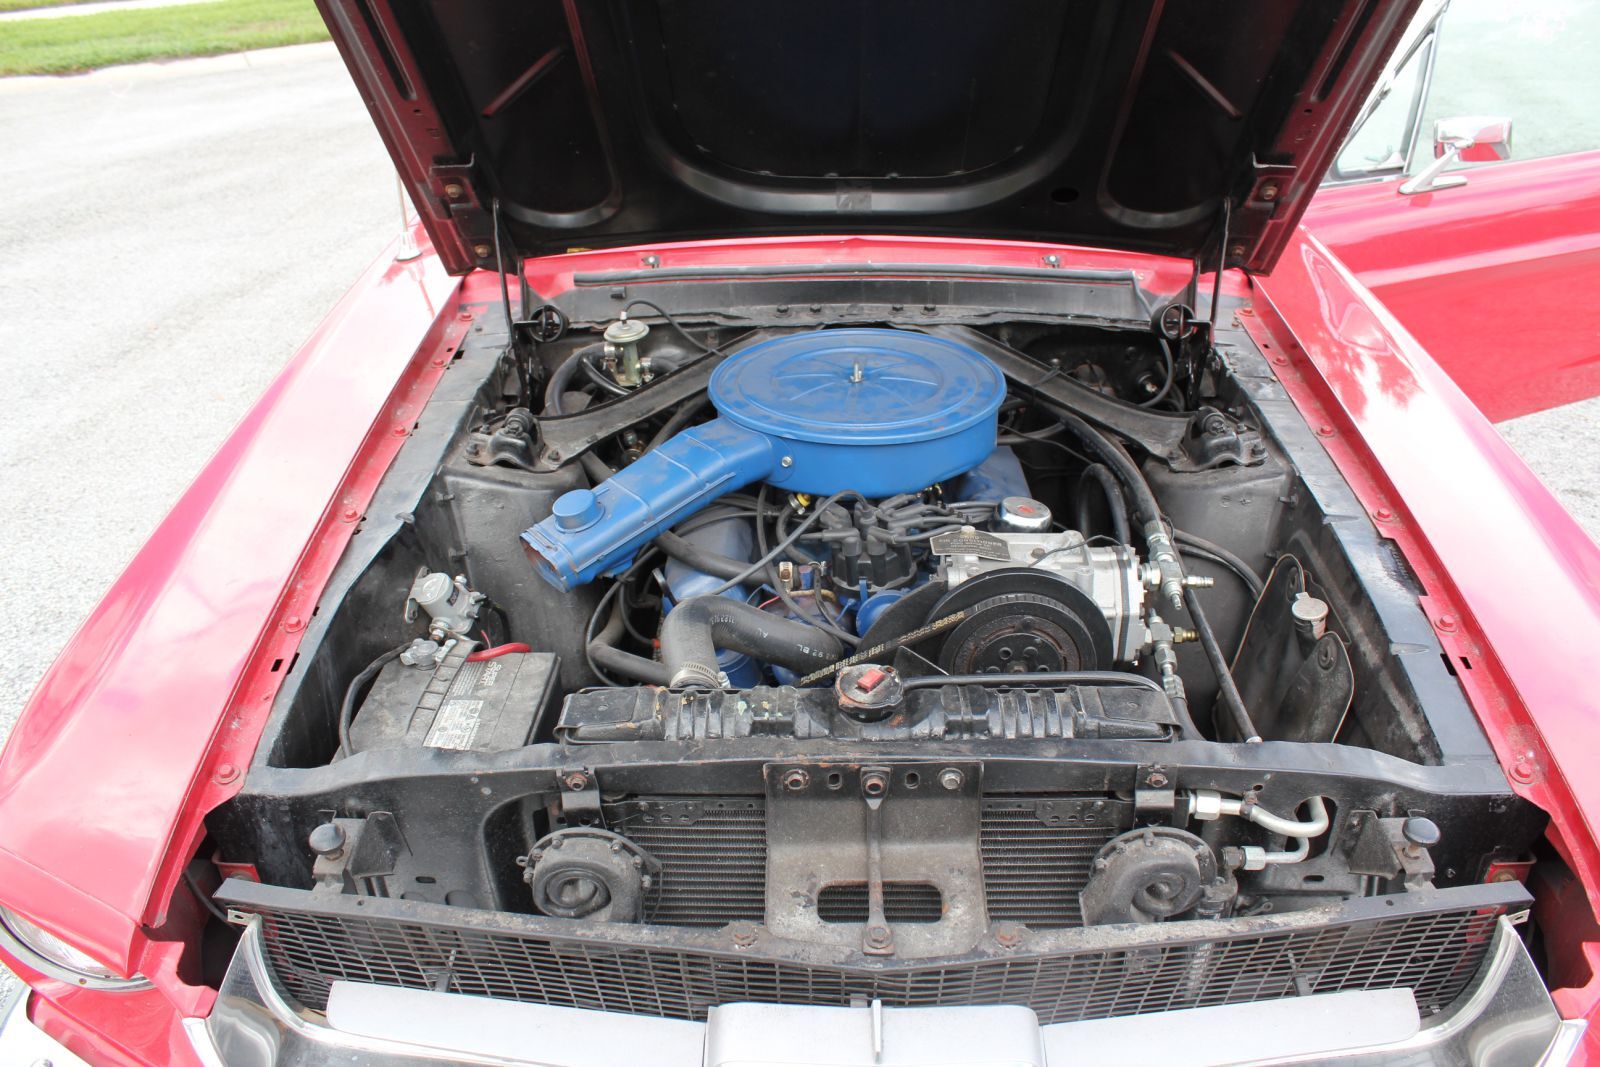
(1022, 621)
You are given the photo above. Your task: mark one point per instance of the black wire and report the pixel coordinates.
(710, 350)
(203, 897)
(1017, 437)
(1172, 372)
(771, 573)
(347, 709)
(1203, 549)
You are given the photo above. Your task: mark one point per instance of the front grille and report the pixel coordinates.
(903, 902)
(713, 852)
(1432, 943)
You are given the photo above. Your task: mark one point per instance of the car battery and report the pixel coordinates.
(460, 705)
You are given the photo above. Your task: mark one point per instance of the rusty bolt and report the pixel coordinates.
(1008, 935)
(227, 773)
(879, 937)
(1155, 780)
(575, 781)
(294, 624)
(874, 783)
(743, 934)
(796, 779)
(1269, 191)
(453, 191)
(952, 778)
(1447, 623)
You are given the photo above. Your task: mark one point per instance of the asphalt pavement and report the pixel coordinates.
(171, 232)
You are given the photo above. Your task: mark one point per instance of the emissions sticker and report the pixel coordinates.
(970, 542)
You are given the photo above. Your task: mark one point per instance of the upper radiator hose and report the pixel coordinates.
(877, 411)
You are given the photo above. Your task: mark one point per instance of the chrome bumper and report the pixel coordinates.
(1505, 1020)
(23, 1043)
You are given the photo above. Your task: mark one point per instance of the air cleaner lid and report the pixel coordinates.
(863, 387)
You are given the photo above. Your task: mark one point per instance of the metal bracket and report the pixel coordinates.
(1155, 795)
(580, 798)
(565, 437)
(451, 185)
(874, 829)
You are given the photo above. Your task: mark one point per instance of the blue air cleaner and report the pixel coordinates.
(877, 411)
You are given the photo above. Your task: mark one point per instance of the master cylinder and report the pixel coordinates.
(879, 412)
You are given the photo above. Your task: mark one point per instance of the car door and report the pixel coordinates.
(1495, 267)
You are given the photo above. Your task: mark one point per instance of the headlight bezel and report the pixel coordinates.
(52, 955)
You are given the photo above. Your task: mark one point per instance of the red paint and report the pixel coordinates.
(1499, 558)
(129, 738)
(1495, 278)
(128, 741)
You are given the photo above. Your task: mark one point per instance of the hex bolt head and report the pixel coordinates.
(879, 937)
(575, 781)
(952, 778)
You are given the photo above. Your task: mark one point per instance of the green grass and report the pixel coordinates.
(30, 5)
(87, 42)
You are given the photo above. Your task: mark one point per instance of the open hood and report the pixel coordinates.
(1150, 126)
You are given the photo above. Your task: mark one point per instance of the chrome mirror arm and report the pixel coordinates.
(1433, 177)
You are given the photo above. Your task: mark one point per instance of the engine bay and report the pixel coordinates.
(857, 624)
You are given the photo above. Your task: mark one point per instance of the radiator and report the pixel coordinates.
(713, 852)
(1430, 942)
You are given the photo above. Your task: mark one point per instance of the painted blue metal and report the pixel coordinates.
(997, 477)
(878, 412)
(873, 606)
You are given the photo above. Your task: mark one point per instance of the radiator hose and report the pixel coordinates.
(694, 630)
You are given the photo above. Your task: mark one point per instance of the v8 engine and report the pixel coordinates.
(839, 649)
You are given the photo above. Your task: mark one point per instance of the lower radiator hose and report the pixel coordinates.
(694, 630)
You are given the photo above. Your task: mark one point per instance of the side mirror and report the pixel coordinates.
(1468, 140)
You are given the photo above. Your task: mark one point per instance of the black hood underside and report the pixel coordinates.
(1146, 126)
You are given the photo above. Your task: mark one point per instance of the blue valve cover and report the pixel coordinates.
(879, 412)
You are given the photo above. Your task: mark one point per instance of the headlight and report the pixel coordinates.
(48, 954)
